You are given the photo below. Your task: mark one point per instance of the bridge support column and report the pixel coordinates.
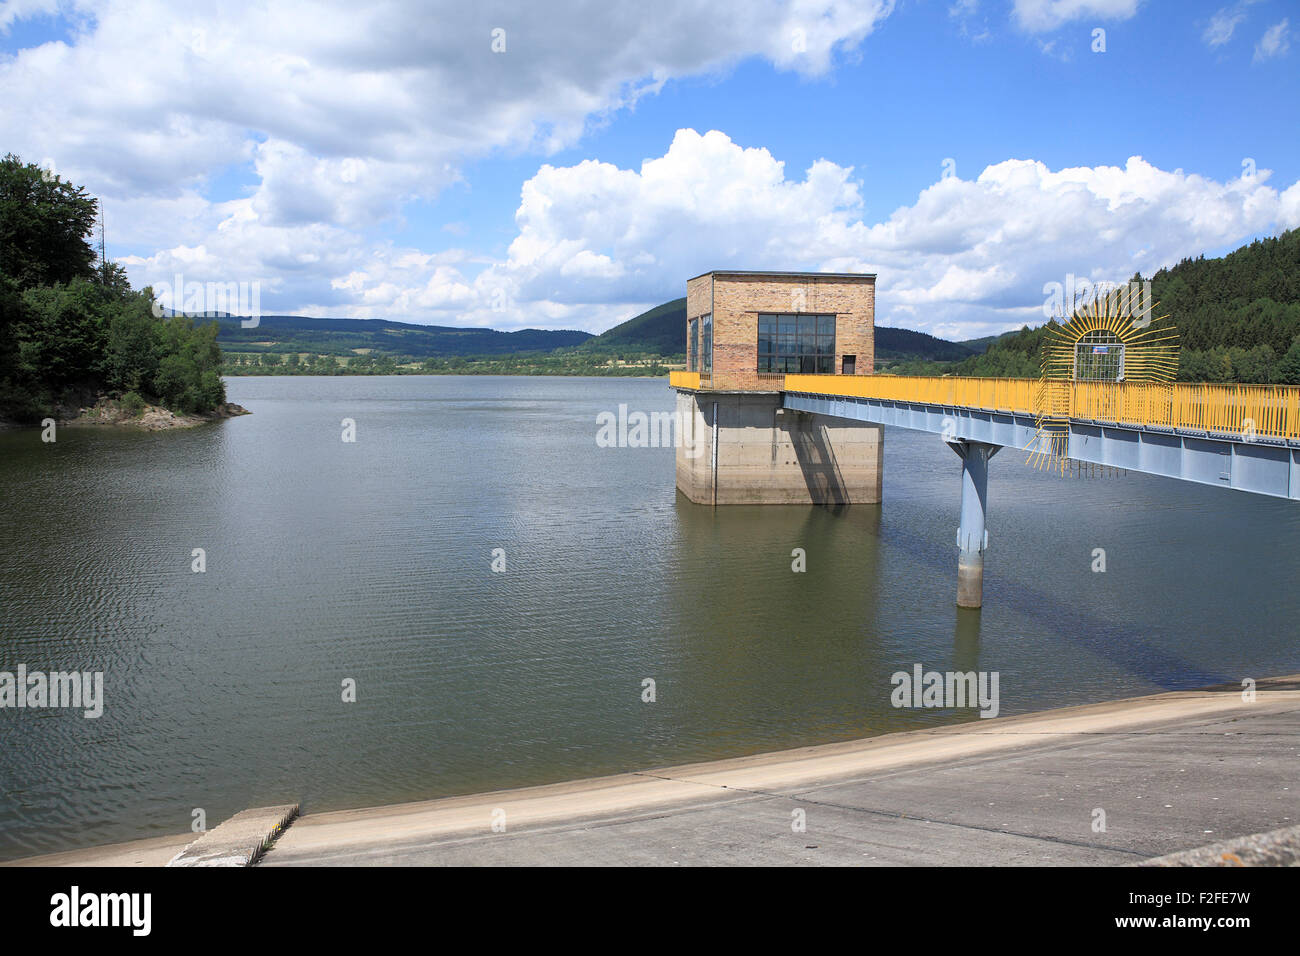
(972, 537)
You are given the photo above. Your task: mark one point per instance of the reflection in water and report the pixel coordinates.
(966, 640)
(372, 561)
(765, 646)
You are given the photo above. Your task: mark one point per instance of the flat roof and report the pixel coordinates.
(788, 275)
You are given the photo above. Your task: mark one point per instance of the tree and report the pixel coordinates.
(131, 360)
(10, 315)
(44, 225)
(61, 336)
(69, 329)
(1287, 371)
(189, 372)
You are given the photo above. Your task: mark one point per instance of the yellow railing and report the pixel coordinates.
(1006, 394)
(1270, 411)
(684, 379)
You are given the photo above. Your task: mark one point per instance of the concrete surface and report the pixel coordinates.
(1169, 772)
(1278, 848)
(156, 851)
(240, 840)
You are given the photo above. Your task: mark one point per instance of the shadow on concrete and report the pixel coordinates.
(821, 473)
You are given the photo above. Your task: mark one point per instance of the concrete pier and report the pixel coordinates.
(742, 447)
(972, 536)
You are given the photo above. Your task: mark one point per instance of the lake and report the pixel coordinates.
(372, 562)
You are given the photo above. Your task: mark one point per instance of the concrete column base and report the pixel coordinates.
(767, 455)
(970, 579)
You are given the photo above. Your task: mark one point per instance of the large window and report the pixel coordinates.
(706, 344)
(693, 340)
(796, 343)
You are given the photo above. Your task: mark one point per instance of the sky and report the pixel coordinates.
(572, 163)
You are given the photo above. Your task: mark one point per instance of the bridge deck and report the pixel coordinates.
(1245, 437)
(1249, 411)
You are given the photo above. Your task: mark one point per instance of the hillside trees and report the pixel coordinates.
(71, 330)
(1238, 319)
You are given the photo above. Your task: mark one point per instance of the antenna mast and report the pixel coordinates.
(103, 260)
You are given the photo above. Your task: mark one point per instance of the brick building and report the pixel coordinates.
(746, 330)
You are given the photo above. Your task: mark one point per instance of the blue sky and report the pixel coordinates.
(920, 92)
(394, 164)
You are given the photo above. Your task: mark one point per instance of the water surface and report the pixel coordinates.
(372, 561)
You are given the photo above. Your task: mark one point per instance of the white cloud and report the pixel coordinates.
(333, 116)
(597, 243)
(964, 13)
(1222, 27)
(972, 255)
(1223, 24)
(155, 96)
(1275, 42)
(334, 125)
(12, 11)
(1041, 16)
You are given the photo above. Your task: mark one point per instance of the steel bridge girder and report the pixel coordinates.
(1268, 467)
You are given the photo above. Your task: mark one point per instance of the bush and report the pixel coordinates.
(133, 403)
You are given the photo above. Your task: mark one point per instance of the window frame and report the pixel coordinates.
(706, 343)
(796, 343)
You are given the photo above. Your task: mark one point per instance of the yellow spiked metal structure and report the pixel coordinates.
(1113, 338)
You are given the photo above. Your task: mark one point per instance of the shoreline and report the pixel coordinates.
(444, 374)
(110, 413)
(640, 815)
(150, 418)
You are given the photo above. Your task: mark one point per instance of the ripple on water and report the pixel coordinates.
(372, 561)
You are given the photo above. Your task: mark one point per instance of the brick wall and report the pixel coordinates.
(699, 300)
(737, 300)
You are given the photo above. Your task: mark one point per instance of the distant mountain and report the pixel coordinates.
(296, 333)
(1239, 319)
(902, 344)
(982, 344)
(662, 331)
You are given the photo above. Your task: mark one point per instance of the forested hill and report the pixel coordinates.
(903, 344)
(1249, 298)
(1238, 319)
(656, 334)
(296, 333)
(661, 331)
